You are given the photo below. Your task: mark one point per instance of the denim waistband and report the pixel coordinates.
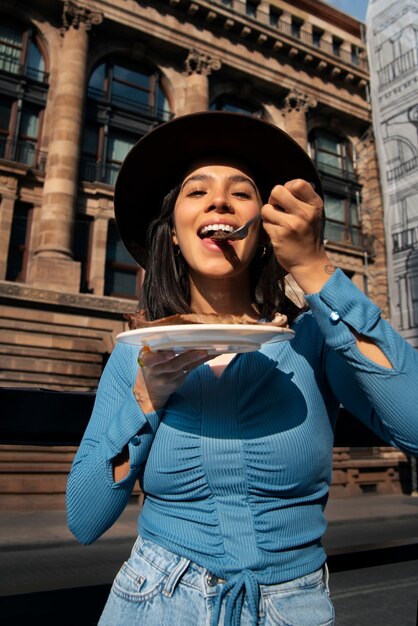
(235, 590)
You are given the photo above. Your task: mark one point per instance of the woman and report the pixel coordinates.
(234, 453)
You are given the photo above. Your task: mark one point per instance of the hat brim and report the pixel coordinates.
(159, 161)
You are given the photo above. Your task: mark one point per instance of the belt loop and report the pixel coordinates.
(175, 576)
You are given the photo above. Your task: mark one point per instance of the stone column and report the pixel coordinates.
(295, 107)
(198, 66)
(52, 265)
(8, 199)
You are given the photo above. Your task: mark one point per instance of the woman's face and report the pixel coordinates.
(216, 195)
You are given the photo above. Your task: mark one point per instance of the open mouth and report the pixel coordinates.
(215, 231)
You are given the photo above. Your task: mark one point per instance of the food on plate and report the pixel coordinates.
(138, 320)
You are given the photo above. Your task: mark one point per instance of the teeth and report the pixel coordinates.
(215, 227)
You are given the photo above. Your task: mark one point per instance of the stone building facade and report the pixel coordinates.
(81, 81)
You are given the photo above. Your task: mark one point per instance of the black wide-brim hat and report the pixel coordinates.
(159, 161)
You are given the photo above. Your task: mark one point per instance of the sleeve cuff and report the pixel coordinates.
(128, 425)
(340, 305)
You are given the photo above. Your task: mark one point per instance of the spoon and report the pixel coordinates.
(238, 233)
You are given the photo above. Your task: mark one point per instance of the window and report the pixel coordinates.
(21, 102)
(128, 89)
(332, 157)
(316, 37)
(336, 46)
(19, 53)
(81, 247)
(123, 104)
(122, 274)
(236, 105)
(343, 224)
(296, 27)
(331, 153)
(355, 55)
(274, 16)
(251, 7)
(19, 242)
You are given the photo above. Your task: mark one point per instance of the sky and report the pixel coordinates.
(356, 8)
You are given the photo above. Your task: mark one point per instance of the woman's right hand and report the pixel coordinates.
(162, 373)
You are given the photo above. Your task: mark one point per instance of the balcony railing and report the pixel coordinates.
(338, 232)
(405, 240)
(24, 152)
(338, 172)
(398, 67)
(402, 170)
(152, 112)
(92, 171)
(13, 66)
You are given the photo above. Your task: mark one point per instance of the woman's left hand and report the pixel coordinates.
(293, 219)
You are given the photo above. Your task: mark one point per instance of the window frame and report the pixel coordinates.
(110, 116)
(126, 268)
(21, 92)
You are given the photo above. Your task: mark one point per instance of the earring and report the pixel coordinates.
(177, 251)
(263, 251)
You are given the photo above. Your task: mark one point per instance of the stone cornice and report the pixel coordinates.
(114, 307)
(217, 18)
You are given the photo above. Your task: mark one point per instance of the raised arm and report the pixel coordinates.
(372, 370)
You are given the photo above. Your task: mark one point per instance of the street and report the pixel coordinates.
(385, 595)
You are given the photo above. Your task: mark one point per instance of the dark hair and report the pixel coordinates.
(166, 288)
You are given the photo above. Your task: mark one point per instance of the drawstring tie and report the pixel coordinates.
(243, 583)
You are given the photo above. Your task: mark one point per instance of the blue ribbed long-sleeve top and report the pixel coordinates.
(236, 469)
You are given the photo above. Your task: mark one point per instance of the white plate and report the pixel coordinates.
(215, 338)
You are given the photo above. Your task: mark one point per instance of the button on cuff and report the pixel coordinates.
(334, 316)
(135, 441)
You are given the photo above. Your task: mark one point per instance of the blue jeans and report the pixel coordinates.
(156, 587)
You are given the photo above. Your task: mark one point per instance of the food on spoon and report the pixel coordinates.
(219, 232)
(139, 320)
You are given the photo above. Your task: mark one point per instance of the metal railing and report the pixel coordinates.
(401, 170)
(405, 240)
(24, 152)
(403, 64)
(12, 66)
(93, 171)
(152, 112)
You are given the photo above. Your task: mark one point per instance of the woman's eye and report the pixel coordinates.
(242, 194)
(196, 192)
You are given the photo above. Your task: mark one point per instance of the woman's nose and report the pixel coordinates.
(220, 202)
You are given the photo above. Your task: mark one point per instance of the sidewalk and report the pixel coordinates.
(19, 529)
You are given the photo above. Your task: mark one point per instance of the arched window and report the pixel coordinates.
(23, 94)
(123, 103)
(332, 156)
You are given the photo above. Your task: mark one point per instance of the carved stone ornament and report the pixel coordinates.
(200, 63)
(297, 100)
(73, 15)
